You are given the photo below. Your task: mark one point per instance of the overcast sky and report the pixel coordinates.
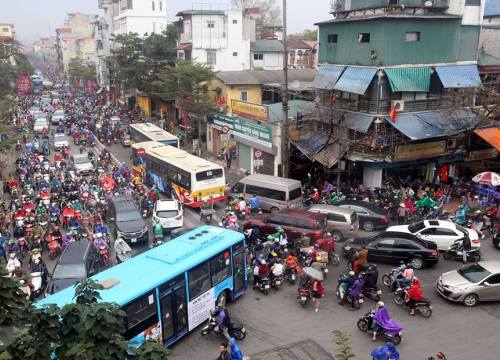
(34, 18)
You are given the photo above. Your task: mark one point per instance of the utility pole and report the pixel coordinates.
(285, 151)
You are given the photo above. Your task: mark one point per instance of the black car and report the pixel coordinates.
(126, 220)
(77, 262)
(370, 216)
(395, 247)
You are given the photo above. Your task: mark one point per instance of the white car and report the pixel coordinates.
(82, 163)
(169, 212)
(443, 233)
(60, 141)
(41, 125)
(57, 117)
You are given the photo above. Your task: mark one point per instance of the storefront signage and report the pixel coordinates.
(258, 154)
(250, 110)
(246, 129)
(419, 151)
(482, 154)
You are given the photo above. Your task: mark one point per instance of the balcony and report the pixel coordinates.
(185, 38)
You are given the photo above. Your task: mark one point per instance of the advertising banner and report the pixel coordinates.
(250, 110)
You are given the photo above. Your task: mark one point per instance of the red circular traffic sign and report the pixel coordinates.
(140, 151)
(258, 154)
(225, 129)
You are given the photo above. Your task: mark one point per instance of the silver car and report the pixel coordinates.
(472, 283)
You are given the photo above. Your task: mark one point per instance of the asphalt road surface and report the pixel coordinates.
(279, 328)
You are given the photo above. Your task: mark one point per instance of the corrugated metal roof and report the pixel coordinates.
(329, 156)
(314, 148)
(356, 79)
(459, 76)
(409, 78)
(491, 136)
(294, 106)
(327, 76)
(261, 77)
(266, 46)
(485, 59)
(358, 122)
(492, 8)
(432, 124)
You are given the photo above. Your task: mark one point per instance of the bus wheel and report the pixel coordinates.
(221, 299)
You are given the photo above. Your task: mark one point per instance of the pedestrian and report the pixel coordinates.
(318, 290)
(227, 157)
(401, 214)
(236, 353)
(223, 353)
(362, 255)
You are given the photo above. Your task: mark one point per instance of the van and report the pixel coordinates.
(275, 193)
(77, 262)
(342, 223)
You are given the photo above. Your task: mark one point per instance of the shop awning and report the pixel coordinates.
(358, 122)
(459, 76)
(327, 76)
(432, 124)
(409, 78)
(314, 148)
(356, 79)
(491, 136)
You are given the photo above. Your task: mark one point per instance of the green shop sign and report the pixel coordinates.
(246, 129)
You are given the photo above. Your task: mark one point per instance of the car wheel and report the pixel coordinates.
(274, 210)
(471, 300)
(368, 226)
(337, 236)
(417, 263)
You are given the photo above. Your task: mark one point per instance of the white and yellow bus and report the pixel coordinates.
(192, 180)
(141, 132)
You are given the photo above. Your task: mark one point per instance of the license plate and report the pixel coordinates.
(133, 240)
(303, 298)
(266, 286)
(379, 292)
(326, 270)
(243, 330)
(360, 301)
(278, 282)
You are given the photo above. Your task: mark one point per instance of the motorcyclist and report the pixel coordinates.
(56, 233)
(263, 270)
(277, 270)
(54, 210)
(414, 294)
(222, 316)
(347, 282)
(11, 247)
(356, 290)
(371, 276)
(291, 262)
(381, 318)
(316, 195)
(100, 228)
(241, 205)
(99, 241)
(13, 263)
(154, 194)
(40, 209)
(157, 229)
(254, 203)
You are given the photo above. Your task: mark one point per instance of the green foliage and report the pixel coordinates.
(86, 329)
(187, 83)
(308, 35)
(80, 70)
(343, 349)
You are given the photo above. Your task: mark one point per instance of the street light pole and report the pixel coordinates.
(285, 151)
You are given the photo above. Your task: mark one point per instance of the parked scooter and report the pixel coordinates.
(235, 329)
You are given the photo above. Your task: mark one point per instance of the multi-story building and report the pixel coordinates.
(490, 31)
(7, 33)
(219, 38)
(399, 78)
(266, 55)
(302, 54)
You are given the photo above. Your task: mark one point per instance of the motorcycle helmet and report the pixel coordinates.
(380, 304)
(352, 273)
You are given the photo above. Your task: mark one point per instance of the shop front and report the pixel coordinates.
(253, 141)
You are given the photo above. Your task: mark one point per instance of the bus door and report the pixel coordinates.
(239, 273)
(173, 309)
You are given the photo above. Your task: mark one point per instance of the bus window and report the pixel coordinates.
(199, 280)
(220, 267)
(141, 314)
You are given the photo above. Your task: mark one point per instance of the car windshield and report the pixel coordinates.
(462, 230)
(81, 160)
(413, 228)
(58, 138)
(69, 271)
(474, 273)
(127, 215)
(167, 213)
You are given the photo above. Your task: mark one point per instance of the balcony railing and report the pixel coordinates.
(185, 37)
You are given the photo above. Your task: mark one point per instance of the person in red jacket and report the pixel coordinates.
(414, 294)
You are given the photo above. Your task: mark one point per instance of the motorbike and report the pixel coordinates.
(54, 248)
(264, 285)
(158, 239)
(357, 301)
(291, 275)
(389, 278)
(372, 292)
(235, 329)
(277, 281)
(23, 246)
(423, 306)
(366, 322)
(455, 252)
(104, 258)
(303, 296)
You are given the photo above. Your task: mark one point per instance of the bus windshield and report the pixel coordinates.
(210, 174)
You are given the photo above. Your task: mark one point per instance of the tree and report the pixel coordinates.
(308, 35)
(78, 69)
(270, 11)
(343, 349)
(85, 329)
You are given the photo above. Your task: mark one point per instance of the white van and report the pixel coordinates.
(275, 193)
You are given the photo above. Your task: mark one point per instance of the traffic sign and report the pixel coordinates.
(140, 151)
(258, 153)
(225, 129)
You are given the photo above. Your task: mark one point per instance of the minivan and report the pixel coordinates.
(275, 193)
(342, 223)
(126, 221)
(77, 262)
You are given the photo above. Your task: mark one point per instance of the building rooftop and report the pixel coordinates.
(266, 46)
(200, 12)
(492, 8)
(294, 107)
(388, 16)
(261, 77)
(294, 43)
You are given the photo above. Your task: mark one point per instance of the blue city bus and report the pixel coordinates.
(37, 84)
(169, 290)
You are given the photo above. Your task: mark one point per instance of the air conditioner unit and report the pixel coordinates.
(451, 144)
(398, 104)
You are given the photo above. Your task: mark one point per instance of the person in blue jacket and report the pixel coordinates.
(236, 353)
(387, 352)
